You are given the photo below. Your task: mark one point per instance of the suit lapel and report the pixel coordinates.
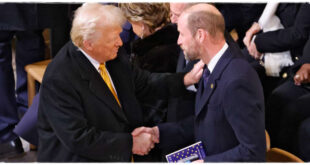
(205, 94)
(122, 80)
(202, 98)
(97, 85)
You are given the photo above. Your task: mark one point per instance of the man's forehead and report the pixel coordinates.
(183, 17)
(182, 22)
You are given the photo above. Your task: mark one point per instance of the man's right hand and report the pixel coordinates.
(142, 143)
(194, 75)
(154, 131)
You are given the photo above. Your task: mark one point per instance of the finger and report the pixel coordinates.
(304, 76)
(200, 64)
(155, 139)
(297, 79)
(246, 41)
(199, 74)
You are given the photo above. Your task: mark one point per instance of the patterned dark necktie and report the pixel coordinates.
(205, 76)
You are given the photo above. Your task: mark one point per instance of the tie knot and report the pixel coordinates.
(102, 67)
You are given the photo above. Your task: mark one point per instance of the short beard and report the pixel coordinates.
(186, 57)
(193, 55)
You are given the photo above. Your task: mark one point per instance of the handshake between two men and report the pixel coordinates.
(144, 139)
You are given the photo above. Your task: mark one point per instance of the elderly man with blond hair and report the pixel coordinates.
(89, 94)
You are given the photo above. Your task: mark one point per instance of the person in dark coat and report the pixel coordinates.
(289, 107)
(292, 38)
(156, 50)
(295, 19)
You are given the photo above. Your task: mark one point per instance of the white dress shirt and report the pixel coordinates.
(211, 65)
(96, 64)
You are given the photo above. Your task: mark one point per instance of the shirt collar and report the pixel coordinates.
(211, 65)
(94, 62)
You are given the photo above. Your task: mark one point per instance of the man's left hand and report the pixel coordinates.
(253, 51)
(302, 75)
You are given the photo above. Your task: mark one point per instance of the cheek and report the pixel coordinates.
(136, 30)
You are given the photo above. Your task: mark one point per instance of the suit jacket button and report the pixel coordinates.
(284, 75)
(296, 58)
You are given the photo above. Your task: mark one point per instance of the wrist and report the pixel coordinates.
(186, 80)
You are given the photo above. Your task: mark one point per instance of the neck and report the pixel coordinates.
(211, 49)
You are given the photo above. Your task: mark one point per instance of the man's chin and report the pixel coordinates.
(114, 57)
(188, 58)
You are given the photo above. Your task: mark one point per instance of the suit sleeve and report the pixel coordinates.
(288, 38)
(62, 107)
(244, 109)
(157, 85)
(176, 133)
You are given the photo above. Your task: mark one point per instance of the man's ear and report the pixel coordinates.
(88, 45)
(201, 35)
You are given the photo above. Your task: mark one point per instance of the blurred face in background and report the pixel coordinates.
(176, 10)
(140, 29)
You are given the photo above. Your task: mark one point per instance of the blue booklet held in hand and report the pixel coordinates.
(187, 154)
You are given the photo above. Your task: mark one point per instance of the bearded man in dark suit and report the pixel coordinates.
(229, 104)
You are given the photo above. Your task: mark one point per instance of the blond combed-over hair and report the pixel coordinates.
(91, 16)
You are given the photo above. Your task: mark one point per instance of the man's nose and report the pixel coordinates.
(119, 42)
(179, 41)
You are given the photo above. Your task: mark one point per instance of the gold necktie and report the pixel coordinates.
(106, 78)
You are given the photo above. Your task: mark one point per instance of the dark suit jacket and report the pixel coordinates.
(79, 119)
(229, 118)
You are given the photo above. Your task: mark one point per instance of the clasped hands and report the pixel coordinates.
(247, 40)
(144, 139)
